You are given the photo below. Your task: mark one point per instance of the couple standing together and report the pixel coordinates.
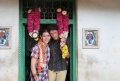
(47, 63)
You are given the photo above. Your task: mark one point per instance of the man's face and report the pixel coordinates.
(54, 34)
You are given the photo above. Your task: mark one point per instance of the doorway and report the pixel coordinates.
(46, 18)
(29, 43)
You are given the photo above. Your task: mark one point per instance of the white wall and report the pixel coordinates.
(9, 16)
(101, 64)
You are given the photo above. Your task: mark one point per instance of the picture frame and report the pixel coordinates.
(90, 38)
(5, 37)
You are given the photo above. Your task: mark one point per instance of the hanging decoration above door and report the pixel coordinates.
(62, 23)
(47, 10)
(33, 22)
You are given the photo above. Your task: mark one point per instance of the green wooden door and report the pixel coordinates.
(47, 17)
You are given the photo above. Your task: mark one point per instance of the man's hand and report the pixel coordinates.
(62, 42)
(68, 55)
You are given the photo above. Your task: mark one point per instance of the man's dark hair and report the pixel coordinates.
(52, 27)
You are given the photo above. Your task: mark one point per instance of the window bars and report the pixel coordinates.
(48, 7)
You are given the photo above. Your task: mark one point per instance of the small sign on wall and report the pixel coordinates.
(5, 37)
(90, 38)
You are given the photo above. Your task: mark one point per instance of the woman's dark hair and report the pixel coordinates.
(44, 30)
(52, 27)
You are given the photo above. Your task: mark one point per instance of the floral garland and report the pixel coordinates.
(62, 23)
(64, 50)
(41, 56)
(33, 22)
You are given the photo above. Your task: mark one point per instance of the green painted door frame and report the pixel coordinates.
(73, 57)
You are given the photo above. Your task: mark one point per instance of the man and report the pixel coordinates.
(57, 65)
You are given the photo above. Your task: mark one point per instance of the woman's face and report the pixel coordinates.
(45, 37)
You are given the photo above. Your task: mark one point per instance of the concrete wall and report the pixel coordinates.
(9, 16)
(101, 64)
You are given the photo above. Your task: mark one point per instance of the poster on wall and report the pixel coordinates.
(90, 38)
(5, 37)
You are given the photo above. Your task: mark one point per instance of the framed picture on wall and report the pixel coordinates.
(90, 38)
(5, 37)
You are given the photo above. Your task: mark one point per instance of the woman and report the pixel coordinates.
(40, 57)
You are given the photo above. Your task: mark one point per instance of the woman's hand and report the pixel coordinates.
(36, 77)
(34, 72)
